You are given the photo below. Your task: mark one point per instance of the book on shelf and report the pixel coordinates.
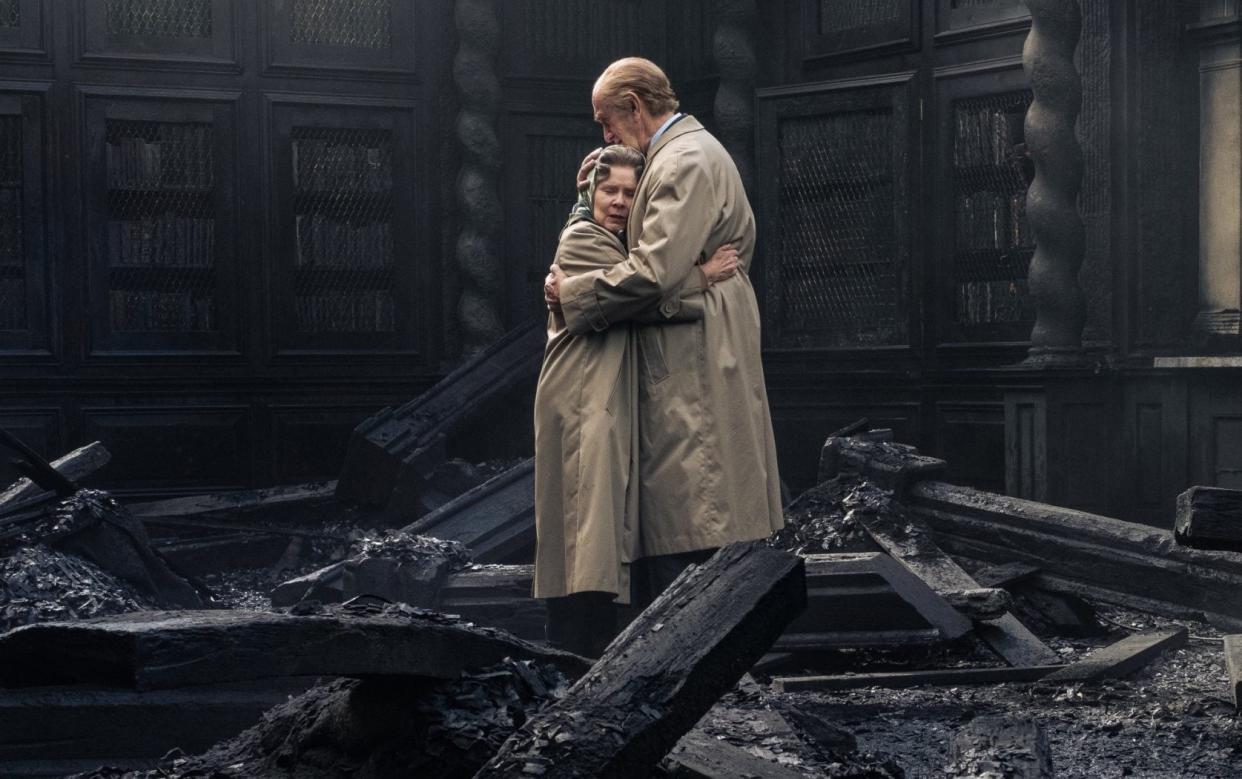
(11, 250)
(366, 311)
(321, 241)
(321, 165)
(180, 158)
(166, 240)
(152, 311)
(12, 304)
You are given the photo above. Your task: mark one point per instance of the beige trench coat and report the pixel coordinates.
(585, 437)
(707, 463)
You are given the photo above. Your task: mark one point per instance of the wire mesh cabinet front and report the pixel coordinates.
(347, 278)
(24, 262)
(835, 216)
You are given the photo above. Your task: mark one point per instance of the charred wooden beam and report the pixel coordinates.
(866, 600)
(1122, 658)
(900, 679)
(495, 520)
(297, 504)
(75, 466)
(909, 543)
(496, 596)
(996, 746)
(1209, 518)
(53, 731)
(664, 671)
(699, 756)
(891, 465)
(162, 650)
(392, 454)
(1105, 559)
(1233, 665)
(1006, 575)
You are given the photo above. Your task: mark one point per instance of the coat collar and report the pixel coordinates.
(687, 124)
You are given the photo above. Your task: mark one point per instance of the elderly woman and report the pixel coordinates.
(585, 431)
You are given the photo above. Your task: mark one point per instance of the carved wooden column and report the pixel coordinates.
(1052, 200)
(733, 47)
(1220, 173)
(474, 72)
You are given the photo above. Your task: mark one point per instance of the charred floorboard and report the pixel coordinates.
(495, 520)
(1121, 658)
(664, 671)
(1209, 518)
(163, 650)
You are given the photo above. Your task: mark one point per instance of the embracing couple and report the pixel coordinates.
(653, 440)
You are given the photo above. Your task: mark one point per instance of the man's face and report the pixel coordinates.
(619, 125)
(613, 197)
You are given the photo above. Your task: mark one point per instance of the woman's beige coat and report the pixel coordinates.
(707, 456)
(585, 437)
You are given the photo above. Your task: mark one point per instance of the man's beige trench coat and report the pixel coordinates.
(585, 435)
(707, 456)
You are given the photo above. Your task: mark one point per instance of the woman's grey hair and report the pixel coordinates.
(619, 156)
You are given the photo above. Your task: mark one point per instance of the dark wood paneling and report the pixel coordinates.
(964, 19)
(25, 31)
(971, 437)
(193, 447)
(857, 28)
(25, 258)
(38, 428)
(310, 441)
(576, 39)
(188, 34)
(366, 39)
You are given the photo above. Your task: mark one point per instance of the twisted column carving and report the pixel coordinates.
(733, 48)
(1052, 200)
(478, 87)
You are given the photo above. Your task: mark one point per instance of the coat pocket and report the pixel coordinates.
(651, 346)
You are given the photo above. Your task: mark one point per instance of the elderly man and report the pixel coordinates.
(707, 458)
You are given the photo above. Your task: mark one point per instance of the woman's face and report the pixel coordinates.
(613, 197)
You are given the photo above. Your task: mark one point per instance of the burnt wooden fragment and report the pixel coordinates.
(222, 552)
(53, 731)
(664, 671)
(286, 506)
(392, 455)
(700, 756)
(1233, 666)
(415, 582)
(899, 679)
(1121, 658)
(162, 650)
(980, 603)
(75, 466)
(996, 746)
(1209, 518)
(32, 466)
(878, 459)
(1063, 614)
(865, 600)
(909, 543)
(495, 520)
(1099, 557)
(1005, 575)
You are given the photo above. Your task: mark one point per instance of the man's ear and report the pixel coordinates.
(633, 100)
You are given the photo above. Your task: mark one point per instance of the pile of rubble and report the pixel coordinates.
(897, 620)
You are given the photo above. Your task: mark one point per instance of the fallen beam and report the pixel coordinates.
(996, 746)
(51, 730)
(699, 756)
(1006, 575)
(75, 466)
(393, 454)
(1008, 637)
(664, 671)
(901, 679)
(495, 520)
(868, 600)
(1209, 518)
(1233, 666)
(1099, 557)
(890, 465)
(497, 596)
(163, 650)
(1122, 658)
(297, 504)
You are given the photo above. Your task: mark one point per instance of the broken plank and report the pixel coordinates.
(300, 504)
(899, 679)
(1209, 518)
(913, 546)
(495, 520)
(496, 596)
(1233, 665)
(996, 746)
(700, 756)
(1122, 658)
(392, 455)
(162, 650)
(75, 466)
(1104, 558)
(1005, 575)
(868, 600)
(665, 670)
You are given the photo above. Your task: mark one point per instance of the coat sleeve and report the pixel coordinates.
(676, 225)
